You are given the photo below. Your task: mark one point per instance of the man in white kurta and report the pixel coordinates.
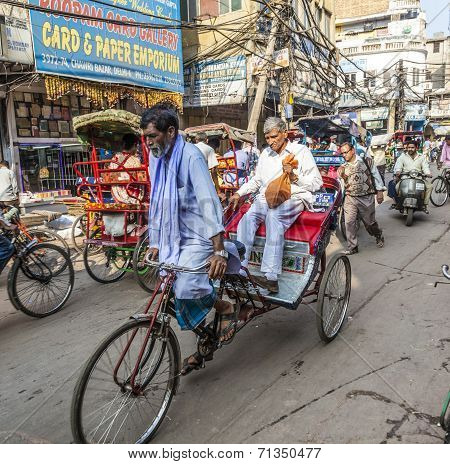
(304, 180)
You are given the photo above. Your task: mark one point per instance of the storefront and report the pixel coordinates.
(415, 117)
(90, 76)
(375, 120)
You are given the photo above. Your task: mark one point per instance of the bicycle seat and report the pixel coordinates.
(239, 246)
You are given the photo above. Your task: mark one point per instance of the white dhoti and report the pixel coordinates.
(277, 221)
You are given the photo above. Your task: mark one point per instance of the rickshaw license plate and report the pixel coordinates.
(323, 199)
(420, 186)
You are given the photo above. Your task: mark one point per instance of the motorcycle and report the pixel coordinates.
(411, 194)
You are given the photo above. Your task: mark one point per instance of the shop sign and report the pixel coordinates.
(216, 82)
(355, 65)
(375, 114)
(374, 124)
(15, 37)
(280, 59)
(416, 112)
(91, 49)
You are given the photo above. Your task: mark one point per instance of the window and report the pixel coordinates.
(428, 76)
(188, 10)
(415, 76)
(350, 79)
(436, 47)
(350, 50)
(226, 6)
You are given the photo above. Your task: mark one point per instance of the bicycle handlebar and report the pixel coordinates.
(445, 271)
(202, 269)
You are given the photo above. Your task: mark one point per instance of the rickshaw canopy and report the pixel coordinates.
(222, 130)
(106, 129)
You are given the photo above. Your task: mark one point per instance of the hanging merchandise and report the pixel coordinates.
(108, 95)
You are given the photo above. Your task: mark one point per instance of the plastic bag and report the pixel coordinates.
(279, 190)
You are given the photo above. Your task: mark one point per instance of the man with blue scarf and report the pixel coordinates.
(185, 223)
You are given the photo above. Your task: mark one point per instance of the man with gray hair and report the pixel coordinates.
(304, 180)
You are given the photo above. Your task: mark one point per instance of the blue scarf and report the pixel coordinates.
(164, 202)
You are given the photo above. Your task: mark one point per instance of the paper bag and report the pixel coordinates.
(279, 190)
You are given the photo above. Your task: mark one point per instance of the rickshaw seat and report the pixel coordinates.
(305, 229)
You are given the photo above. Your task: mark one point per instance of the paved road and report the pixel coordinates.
(383, 380)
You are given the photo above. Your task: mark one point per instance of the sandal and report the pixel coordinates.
(196, 365)
(233, 318)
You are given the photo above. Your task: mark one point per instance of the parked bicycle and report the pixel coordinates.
(441, 188)
(41, 234)
(41, 278)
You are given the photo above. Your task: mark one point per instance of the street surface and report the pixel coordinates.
(383, 380)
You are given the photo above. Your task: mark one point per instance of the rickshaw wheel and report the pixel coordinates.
(334, 296)
(104, 263)
(146, 275)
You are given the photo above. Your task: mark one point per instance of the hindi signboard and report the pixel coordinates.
(142, 47)
(216, 82)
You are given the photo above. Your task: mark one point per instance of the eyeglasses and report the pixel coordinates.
(345, 152)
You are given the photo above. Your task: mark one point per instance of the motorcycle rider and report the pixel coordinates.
(411, 160)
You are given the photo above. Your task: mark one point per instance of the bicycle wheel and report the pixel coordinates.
(105, 409)
(41, 281)
(439, 192)
(334, 296)
(47, 236)
(106, 264)
(146, 275)
(78, 241)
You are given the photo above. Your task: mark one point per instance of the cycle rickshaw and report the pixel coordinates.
(127, 386)
(118, 187)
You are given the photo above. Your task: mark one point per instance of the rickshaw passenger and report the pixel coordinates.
(185, 223)
(241, 165)
(304, 180)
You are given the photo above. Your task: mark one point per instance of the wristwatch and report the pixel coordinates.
(223, 253)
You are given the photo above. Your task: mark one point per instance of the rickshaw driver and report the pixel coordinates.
(304, 180)
(185, 224)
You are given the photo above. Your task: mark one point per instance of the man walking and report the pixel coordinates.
(9, 192)
(362, 181)
(209, 153)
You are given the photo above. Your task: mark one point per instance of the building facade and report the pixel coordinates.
(50, 76)
(223, 66)
(437, 84)
(386, 53)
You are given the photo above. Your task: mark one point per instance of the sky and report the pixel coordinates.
(437, 16)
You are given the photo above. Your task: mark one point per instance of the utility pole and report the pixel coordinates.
(400, 107)
(263, 78)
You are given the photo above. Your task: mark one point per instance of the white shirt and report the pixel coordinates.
(209, 154)
(405, 164)
(332, 147)
(241, 158)
(8, 185)
(270, 167)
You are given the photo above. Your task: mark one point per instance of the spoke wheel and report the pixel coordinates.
(334, 297)
(146, 276)
(106, 409)
(47, 236)
(105, 264)
(80, 223)
(41, 281)
(439, 192)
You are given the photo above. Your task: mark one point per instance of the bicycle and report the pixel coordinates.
(41, 278)
(126, 387)
(441, 188)
(42, 235)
